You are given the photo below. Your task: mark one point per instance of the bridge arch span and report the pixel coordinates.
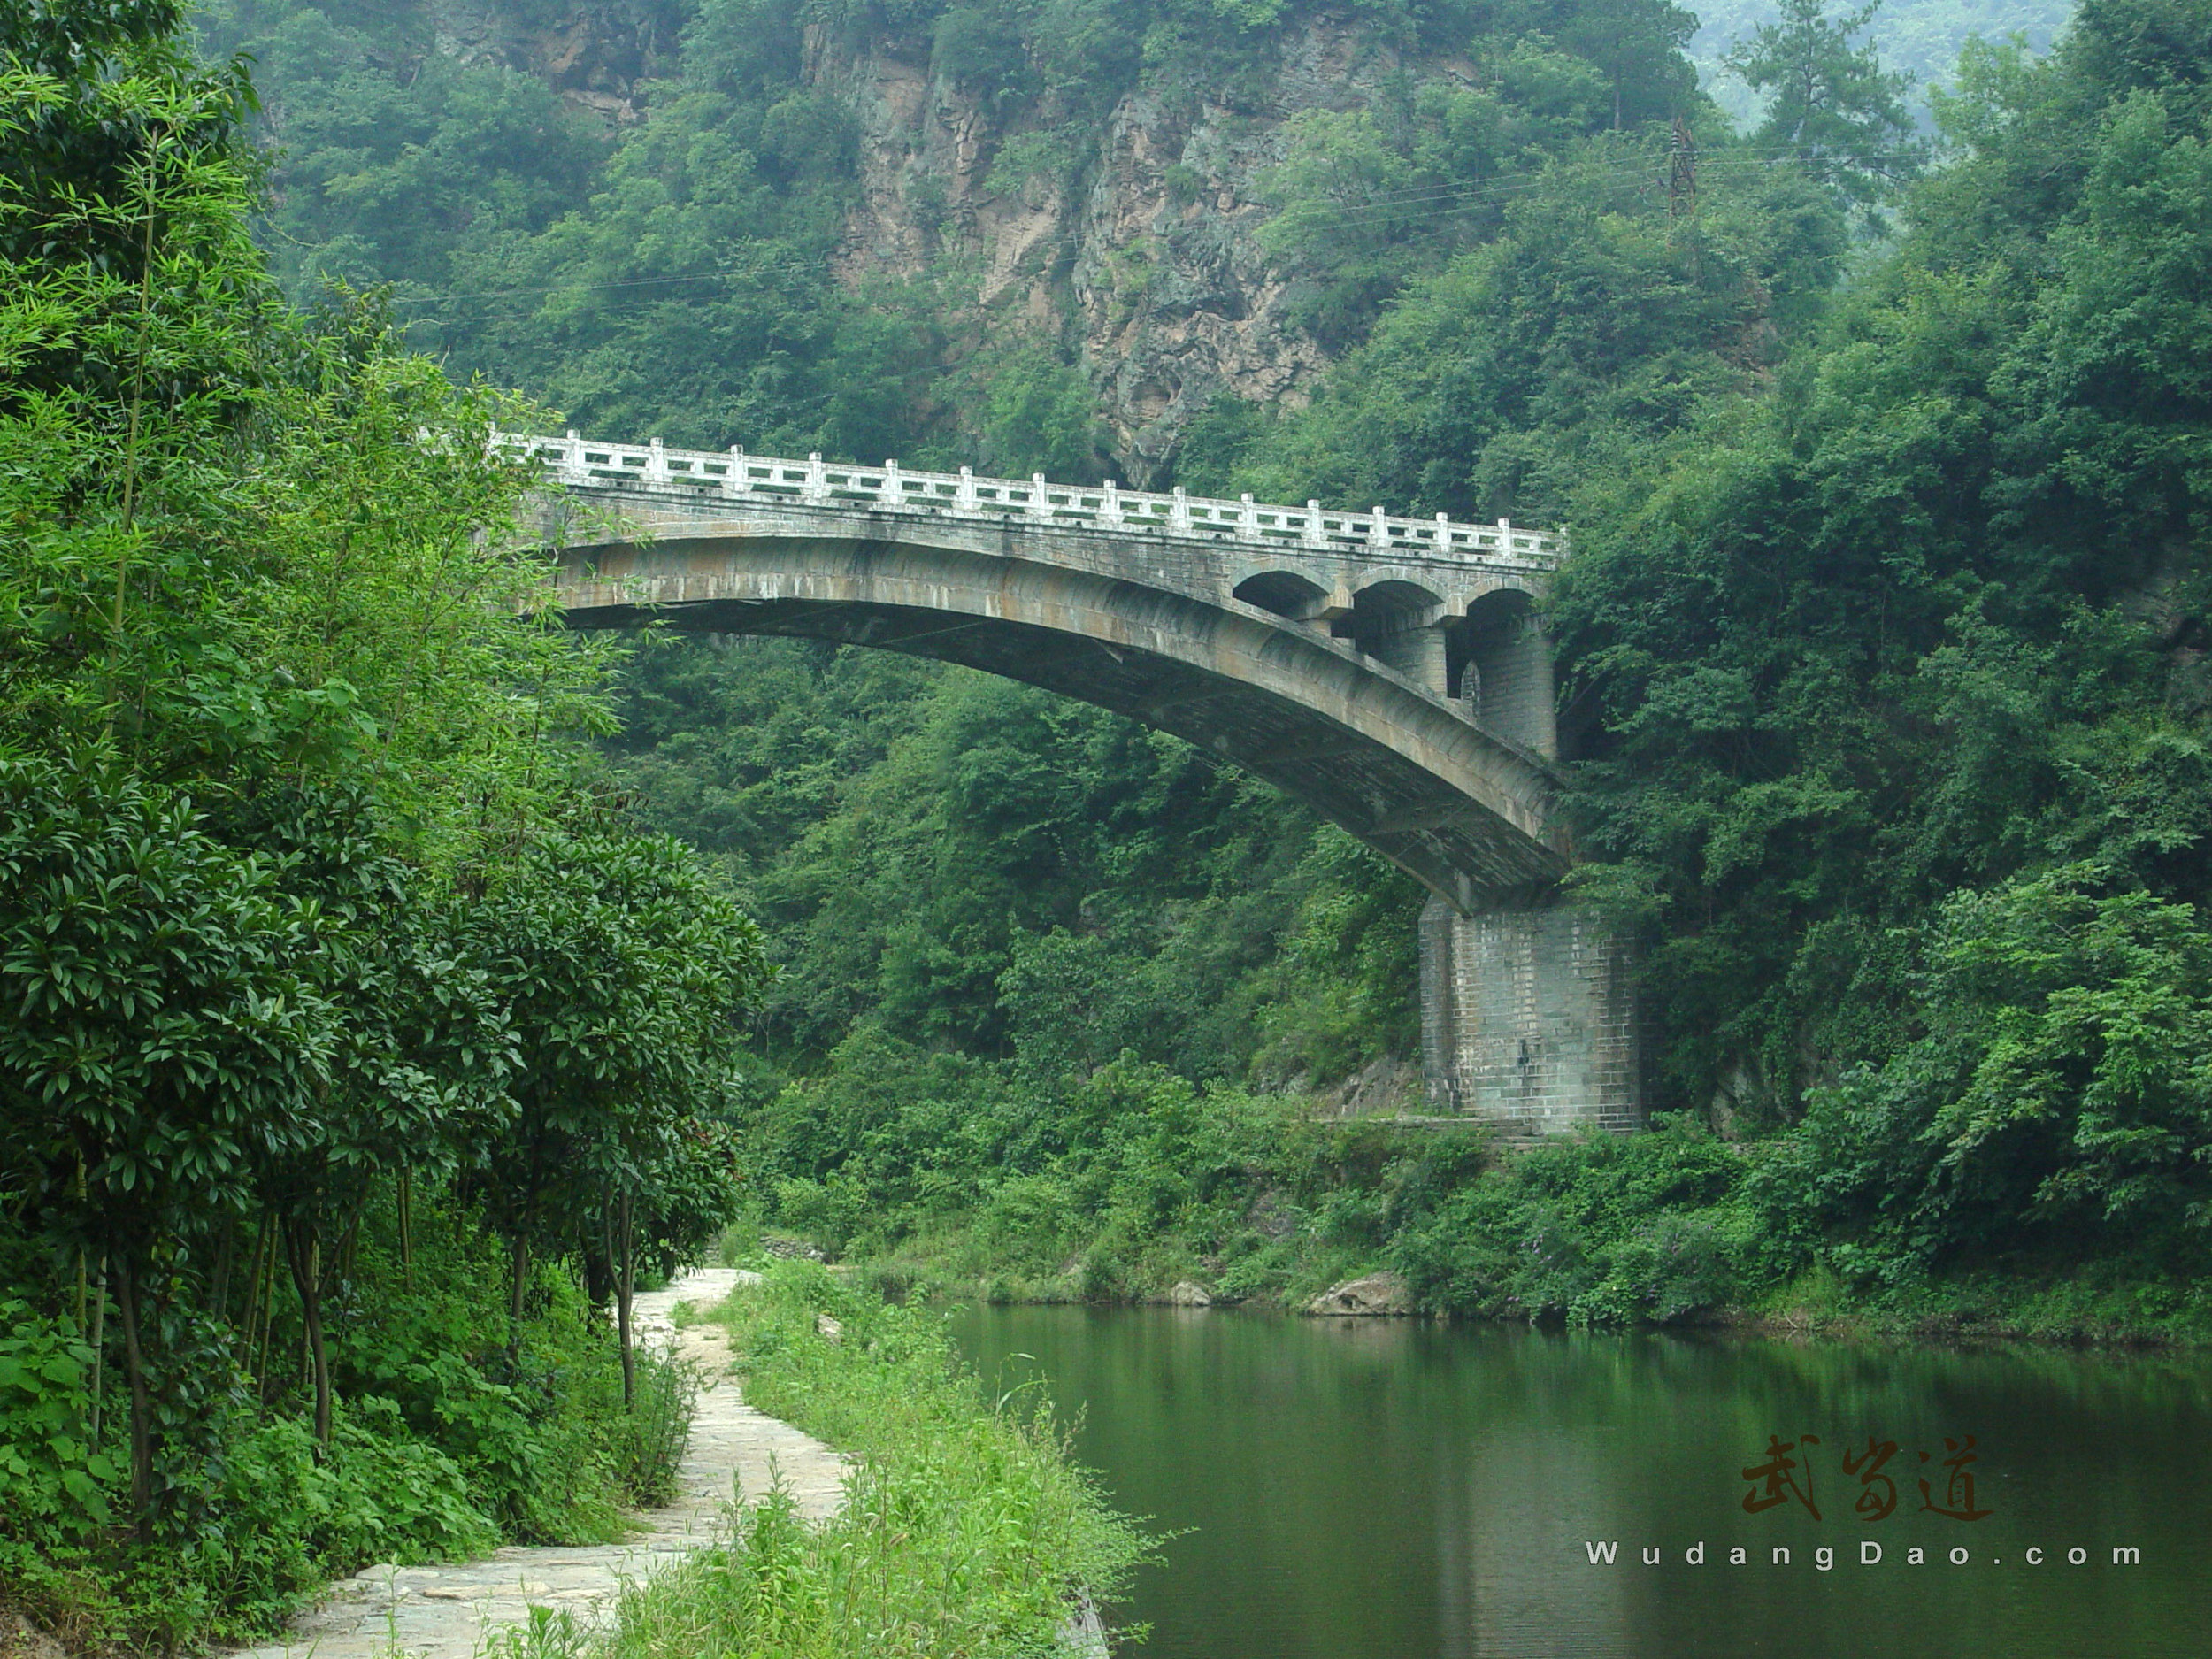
(1395, 764)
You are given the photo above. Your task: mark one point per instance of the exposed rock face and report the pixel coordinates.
(594, 53)
(1385, 1087)
(1135, 241)
(1147, 255)
(19, 1639)
(1186, 1293)
(1378, 1293)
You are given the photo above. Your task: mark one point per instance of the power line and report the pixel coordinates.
(1401, 208)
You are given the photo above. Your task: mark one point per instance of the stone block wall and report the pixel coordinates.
(1529, 1018)
(1508, 680)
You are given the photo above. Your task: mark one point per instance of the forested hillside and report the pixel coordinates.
(1882, 455)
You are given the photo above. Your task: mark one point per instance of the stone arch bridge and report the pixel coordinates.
(1387, 671)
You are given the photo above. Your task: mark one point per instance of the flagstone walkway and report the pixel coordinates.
(447, 1612)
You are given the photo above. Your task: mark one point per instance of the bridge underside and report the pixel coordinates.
(1527, 1013)
(1373, 790)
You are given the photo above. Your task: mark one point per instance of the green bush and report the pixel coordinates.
(292, 1518)
(56, 1479)
(1609, 1230)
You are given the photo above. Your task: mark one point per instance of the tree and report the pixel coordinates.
(620, 966)
(1639, 44)
(421, 1053)
(166, 1030)
(1831, 104)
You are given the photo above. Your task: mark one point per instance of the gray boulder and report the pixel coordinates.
(1376, 1294)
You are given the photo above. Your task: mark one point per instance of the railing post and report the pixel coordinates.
(1109, 508)
(1505, 537)
(1378, 528)
(1314, 535)
(817, 485)
(655, 463)
(1247, 521)
(1443, 534)
(572, 468)
(894, 493)
(1040, 497)
(740, 482)
(963, 497)
(1179, 513)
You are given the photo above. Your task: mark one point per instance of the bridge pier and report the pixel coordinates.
(1528, 1018)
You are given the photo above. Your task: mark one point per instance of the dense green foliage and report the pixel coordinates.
(289, 798)
(966, 1528)
(1920, 625)
(961, 863)
(1884, 468)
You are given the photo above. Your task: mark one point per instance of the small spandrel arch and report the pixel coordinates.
(1500, 667)
(1285, 593)
(1399, 622)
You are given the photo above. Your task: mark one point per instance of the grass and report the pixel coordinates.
(967, 1532)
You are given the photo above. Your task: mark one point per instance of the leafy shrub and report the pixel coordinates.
(1027, 1224)
(1603, 1231)
(293, 1518)
(56, 1480)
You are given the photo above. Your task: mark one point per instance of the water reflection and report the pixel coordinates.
(1371, 1489)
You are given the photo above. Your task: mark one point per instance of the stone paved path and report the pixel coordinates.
(447, 1612)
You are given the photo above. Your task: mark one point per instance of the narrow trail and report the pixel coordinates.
(446, 1612)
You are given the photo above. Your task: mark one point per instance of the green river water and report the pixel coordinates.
(1394, 1489)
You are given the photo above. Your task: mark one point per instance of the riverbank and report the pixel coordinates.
(1991, 1309)
(2078, 1309)
(967, 1528)
(1175, 1192)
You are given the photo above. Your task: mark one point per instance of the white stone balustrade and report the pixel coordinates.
(576, 462)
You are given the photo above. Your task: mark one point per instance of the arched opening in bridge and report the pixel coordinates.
(1282, 591)
(1400, 624)
(1499, 668)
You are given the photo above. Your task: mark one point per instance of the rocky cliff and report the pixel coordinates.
(1129, 239)
(1143, 251)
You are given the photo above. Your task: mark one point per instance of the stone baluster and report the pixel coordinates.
(1314, 535)
(573, 469)
(1505, 537)
(1378, 528)
(963, 497)
(1248, 520)
(1179, 513)
(817, 485)
(893, 492)
(656, 464)
(1109, 505)
(1040, 497)
(740, 482)
(1443, 534)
